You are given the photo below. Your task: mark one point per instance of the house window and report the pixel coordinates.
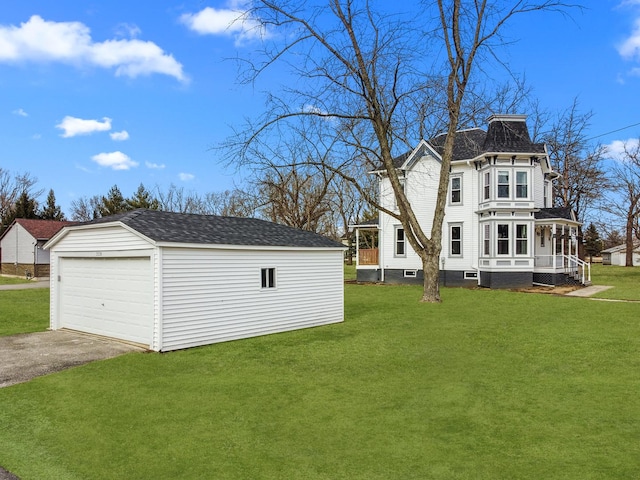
(487, 185)
(521, 240)
(487, 240)
(503, 184)
(268, 276)
(455, 240)
(522, 185)
(456, 190)
(503, 239)
(400, 243)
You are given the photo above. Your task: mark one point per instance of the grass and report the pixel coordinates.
(486, 385)
(626, 281)
(349, 272)
(12, 280)
(24, 311)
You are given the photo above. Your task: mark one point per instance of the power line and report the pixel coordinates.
(614, 131)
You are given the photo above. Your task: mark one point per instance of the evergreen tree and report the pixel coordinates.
(592, 241)
(25, 207)
(142, 199)
(51, 211)
(113, 203)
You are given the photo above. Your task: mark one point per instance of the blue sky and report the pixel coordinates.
(97, 93)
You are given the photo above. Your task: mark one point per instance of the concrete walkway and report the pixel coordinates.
(35, 283)
(588, 291)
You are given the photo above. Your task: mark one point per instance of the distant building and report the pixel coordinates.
(21, 244)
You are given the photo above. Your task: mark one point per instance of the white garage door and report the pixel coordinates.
(107, 296)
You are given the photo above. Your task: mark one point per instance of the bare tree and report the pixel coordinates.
(624, 202)
(85, 209)
(374, 78)
(11, 187)
(580, 163)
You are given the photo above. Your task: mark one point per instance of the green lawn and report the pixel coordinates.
(12, 280)
(486, 385)
(626, 281)
(24, 311)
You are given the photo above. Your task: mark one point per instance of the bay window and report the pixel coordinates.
(522, 185)
(503, 184)
(503, 239)
(521, 240)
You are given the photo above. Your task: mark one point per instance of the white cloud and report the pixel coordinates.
(114, 160)
(119, 136)
(630, 48)
(73, 126)
(233, 21)
(616, 149)
(38, 40)
(20, 112)
(154, 166)
(186, 177)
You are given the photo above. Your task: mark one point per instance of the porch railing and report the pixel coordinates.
(579, 268)
(569, 264)
(368, 256)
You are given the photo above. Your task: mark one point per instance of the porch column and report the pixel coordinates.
(357, 247)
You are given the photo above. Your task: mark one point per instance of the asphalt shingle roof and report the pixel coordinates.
(509, 136)
(559, 212)
(42, 229)
(174, 227)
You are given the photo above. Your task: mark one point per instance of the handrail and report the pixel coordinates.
(580, 266)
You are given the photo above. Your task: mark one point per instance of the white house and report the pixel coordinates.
(499, 229)
(21, 251)
(170, 281)
(618, 256)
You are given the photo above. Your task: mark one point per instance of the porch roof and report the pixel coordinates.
(564, 214)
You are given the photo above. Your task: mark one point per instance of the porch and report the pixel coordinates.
(556, 259)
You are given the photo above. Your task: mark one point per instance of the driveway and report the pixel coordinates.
(30, 355)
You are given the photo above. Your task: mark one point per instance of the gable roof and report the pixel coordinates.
(39, 229)
(622, 248)
(171, 227)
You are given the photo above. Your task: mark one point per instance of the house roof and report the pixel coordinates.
(558, 212)
(622, 248)
(40, 229)
(506, 133)
(171, 227)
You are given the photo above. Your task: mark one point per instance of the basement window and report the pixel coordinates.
(410, 273)
(268, 276)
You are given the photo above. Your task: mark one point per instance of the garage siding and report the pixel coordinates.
(213, 296)
(104, 239)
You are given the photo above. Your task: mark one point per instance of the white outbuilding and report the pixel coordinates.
(170, 280)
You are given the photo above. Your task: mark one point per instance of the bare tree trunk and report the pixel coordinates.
(431, 283)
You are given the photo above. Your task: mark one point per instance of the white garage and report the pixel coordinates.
(169, 281)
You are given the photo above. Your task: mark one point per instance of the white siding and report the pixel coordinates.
(101, 239)
(18, 246)
(421, 187)
(211, 295)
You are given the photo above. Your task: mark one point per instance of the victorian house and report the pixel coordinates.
(499, 231)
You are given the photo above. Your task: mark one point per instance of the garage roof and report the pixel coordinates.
(171, 227)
